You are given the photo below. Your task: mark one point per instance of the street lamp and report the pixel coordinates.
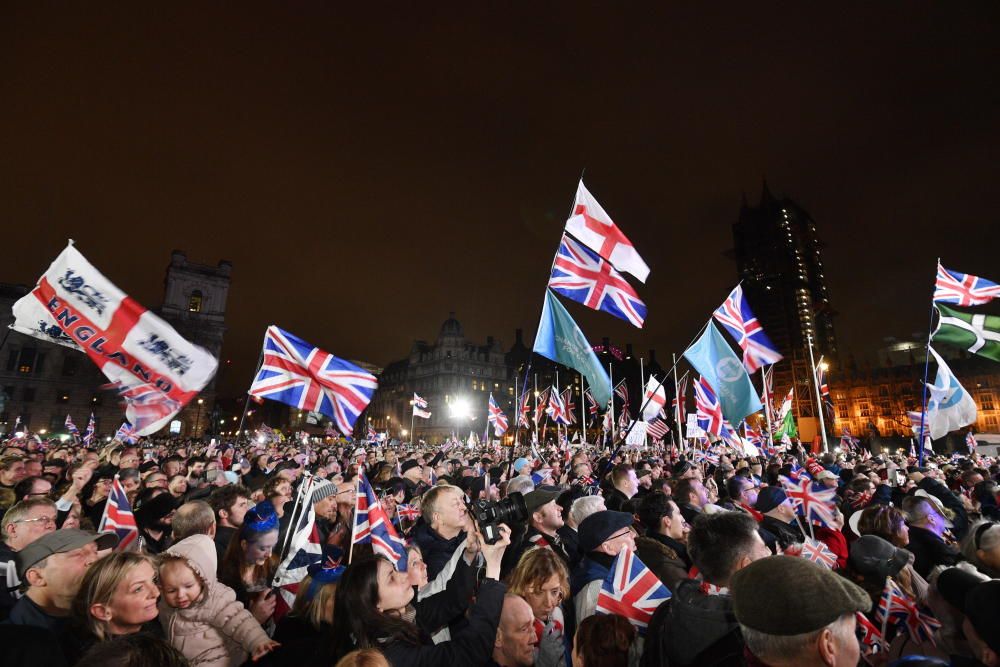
(197, 419)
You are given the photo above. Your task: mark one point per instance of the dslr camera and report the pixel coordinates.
(489, 515)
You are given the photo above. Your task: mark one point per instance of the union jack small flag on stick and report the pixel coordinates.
(372, 524)
(408, 512)
(812, 503)
(818, 552)
(118, 517)
(963, 289)
(126, 434)
(869, 637)
(88, 435)
(735, 315)
(899, 607)
(970, 441)
(631, 590)
(71, 428)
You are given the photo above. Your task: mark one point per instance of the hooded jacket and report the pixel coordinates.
(216, 630)
(693, 628)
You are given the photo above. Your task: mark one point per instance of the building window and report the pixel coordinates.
(71, 364)
(57, 423)
(986, 403)
(12, 360)
(27, 361)
(866, 410)
(194, 303)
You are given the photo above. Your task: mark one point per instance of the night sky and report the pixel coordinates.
(366, 173)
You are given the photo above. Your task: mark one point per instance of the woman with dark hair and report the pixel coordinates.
(249, 562)
(383, 613)
(603, 640)
(885, 521)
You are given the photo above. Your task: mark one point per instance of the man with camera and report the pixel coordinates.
(544, 520)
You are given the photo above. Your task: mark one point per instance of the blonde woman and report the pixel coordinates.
(117, 597)
(541, 578)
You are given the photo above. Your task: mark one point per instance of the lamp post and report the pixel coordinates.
(197, 419)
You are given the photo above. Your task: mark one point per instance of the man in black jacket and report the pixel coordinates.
(778, 527)
(928, 526)
(626, 485)
(697, 625)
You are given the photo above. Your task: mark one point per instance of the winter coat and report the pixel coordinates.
(436, 550)
(663, 561)
(585, 584)
(929, 551)
(217, 630)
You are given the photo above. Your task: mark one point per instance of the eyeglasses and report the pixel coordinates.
(627, 531)
(46, 520)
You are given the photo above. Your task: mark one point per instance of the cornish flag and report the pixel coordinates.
(128, 343)
(631, 590)
(420, 407)
(591, 224)
(118, 517)
(735, 315)
(963, 289)
(372, 524)
(308, 378)
(581, 274)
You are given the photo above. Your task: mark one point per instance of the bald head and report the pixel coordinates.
(515, 642)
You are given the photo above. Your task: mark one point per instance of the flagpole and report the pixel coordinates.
(413, 414)
(583, 408)
(560, 398)
(927, 365)
(535, 415)
(677, 404)
(517, 413)
(611, 404)
(642, 388)
(354, 520)
(767, 402)
(246, 405)
(819, 399)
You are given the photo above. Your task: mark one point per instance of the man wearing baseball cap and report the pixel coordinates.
(544, 519)
(793, 612)
(53, 567)
(602, 536)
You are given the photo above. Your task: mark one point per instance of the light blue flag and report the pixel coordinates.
(560, 340)
(714, 359)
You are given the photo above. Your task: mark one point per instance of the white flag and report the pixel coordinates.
(592, 226)
(949, 406)
(654, 399)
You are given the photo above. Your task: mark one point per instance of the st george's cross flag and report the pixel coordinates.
(560, 339)
(593, 227)
(631, 590)
(735, 315)
(653, 399)
(963, 289)
(74, 305)
(497, 418)
(118, 516)
(420, 407)
(296, 373)
(372, 524)
(581, 274)
(949, 406)
(977, 333)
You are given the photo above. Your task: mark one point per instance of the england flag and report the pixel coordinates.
(591, 224)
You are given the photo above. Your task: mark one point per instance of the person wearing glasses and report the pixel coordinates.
(602, 537)
(23, 523)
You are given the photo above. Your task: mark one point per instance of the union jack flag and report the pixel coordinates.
(567, 397)
(304, 550)
(709, 410)
(901, 608)
(767, 396)
(524, 410)
(541, 403)
(682, 395)
(592, 407)
(818, 552)
(556, 409)
(868, 636)
(813, 503)
(798, 473)
(497, 418)
(622, 392)
(963, 289)
(731, 437)
(848, 441)
(735, 315)
(88, 435)
(824, 389)
(372, 524)
(970, 441)
(408, 512)
(145, 404)
(631, 590)
(126, 434)
(420, 407)
(582, 275)
(303, 376)
(71, 427)
(118, 516)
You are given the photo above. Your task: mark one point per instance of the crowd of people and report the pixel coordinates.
(195, 585)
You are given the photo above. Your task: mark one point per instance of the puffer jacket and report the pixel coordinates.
(217, 631)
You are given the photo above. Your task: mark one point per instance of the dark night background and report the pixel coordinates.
(368, 172)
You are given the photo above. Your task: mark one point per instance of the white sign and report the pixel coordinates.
(693, 430)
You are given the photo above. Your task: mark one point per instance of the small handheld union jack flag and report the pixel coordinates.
(903, 610)
(818, 552)
(631, 590)
(408, 512)
(970, 441)
(813, 503)
(118, 517)
(869, 637)
(372, 524)
(126, 434)
(88, 435)
(963, 289)
(735, 315)
(71, 428)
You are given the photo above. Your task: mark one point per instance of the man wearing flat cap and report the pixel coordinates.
(602, 537)
(796, 613)
(544, 519)
(53, 567)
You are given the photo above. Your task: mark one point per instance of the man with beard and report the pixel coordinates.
(154, 516)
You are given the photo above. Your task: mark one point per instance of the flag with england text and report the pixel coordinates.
(560, 339)
(712, 357)
(304, 549)
(303, 376)
(735, 315)
(949, 406)
(581, 274)
(372, 524)
(963, 289)
(631, 590)
(592, 226)
(977, 333)
(130, 344)
(118, 516)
